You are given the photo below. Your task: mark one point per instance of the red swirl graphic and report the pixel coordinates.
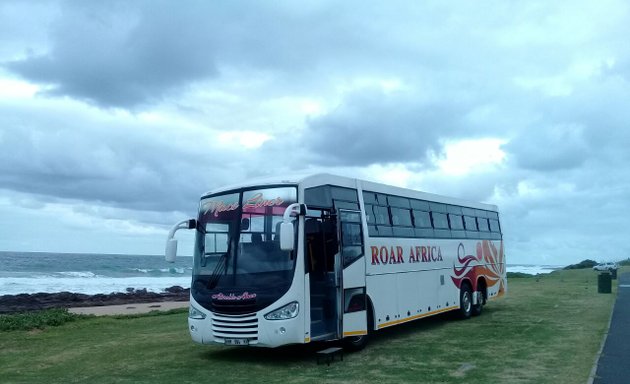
(488, 263)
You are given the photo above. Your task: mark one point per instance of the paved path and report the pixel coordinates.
(129, 309)
(614, 364)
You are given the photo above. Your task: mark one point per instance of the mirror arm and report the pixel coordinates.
(295, 208)
(170, 252)
(185, 224)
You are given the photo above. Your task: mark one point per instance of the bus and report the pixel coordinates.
(293, 260)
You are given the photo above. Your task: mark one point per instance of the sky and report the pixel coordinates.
(116, 116)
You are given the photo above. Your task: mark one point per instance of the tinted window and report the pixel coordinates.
(346, 205)
(483, 224)
(439, 220)
(468, 212)
(395, 201)
(369, 198)
(422, 219)
(480, 213)
(351, 241)
(344, 194)
(420, 205)
(456, 221)
(442, 233)
(494, 226)
(383, 231)
(381, 215)
(401, 217)
(403, 231)
(318, 196)
(423, 232)
(470, 223)
(438, 207)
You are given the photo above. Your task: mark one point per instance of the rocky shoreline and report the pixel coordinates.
(38, 301)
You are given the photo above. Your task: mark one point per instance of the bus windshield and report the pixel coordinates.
(237, 246)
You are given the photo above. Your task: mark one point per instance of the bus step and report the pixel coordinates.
(328, 355)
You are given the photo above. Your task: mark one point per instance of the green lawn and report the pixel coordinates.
(546, 330)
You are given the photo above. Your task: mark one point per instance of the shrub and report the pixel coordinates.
(37, 319)
(584, 264)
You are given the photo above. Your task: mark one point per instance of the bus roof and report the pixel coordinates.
(311, 180)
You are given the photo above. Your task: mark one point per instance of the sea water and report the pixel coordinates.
(26, 272)
(532, 269)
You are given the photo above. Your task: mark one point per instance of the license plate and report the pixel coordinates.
(236, 341)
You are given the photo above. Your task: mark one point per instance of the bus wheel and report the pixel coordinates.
(477, 308)
(465, 301)
(355, 343)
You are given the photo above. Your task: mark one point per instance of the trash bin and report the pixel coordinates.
(613, 274)
(604, 283)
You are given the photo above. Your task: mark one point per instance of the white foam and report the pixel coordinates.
(78, 274)
(90, 286)
(533, 269)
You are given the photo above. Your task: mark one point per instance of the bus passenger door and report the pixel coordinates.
(322, 253)
(353, 299)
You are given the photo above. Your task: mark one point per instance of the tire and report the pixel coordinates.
(355, 343)
(465, 301)
(478, 308)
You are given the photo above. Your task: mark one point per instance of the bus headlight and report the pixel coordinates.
(194, 313)
(289, 311)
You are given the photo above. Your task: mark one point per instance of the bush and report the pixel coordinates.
(625, 262)
(584, 264)
(37, 319)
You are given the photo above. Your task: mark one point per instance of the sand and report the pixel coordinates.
(129, 309)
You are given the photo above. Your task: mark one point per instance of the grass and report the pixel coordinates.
(546, 330)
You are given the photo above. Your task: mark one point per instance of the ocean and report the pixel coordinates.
(26, 272)
(33, 272)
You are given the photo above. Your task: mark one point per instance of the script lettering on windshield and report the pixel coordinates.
(258, 201)
(216, 207)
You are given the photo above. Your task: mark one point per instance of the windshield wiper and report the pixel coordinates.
(219, 269)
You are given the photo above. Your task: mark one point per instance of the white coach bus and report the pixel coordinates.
(322, 257)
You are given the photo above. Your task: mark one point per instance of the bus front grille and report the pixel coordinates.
(235, 327)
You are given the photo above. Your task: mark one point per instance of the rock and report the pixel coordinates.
(37, 301)
(175, 289)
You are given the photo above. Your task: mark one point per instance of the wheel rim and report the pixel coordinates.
(466, 301)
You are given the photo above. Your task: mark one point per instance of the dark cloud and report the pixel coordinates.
(121, 54)
(115, 55)
(550, 148)
(373, 127)
(129, 165)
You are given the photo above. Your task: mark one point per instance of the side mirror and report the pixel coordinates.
(170, 253)
(171, 250)
(287, 231)
(286, 236)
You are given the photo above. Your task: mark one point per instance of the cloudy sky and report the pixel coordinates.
(116, 116)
